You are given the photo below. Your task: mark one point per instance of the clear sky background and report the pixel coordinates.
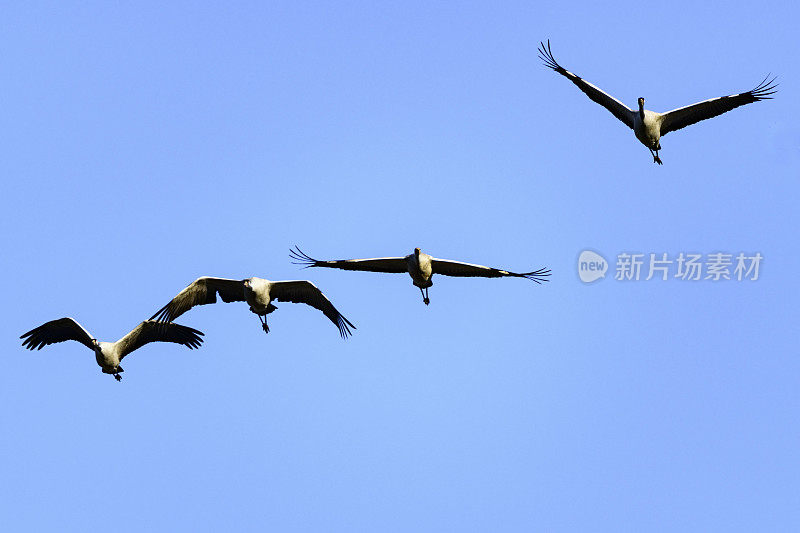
(145, 145)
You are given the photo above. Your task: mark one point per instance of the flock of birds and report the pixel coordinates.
(258, 293)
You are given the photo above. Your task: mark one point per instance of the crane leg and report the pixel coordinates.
(264, 325)
(656, 159)
(425, 298)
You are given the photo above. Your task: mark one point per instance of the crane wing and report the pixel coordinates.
(686, 116)
(393, 265)
(305, 292)
(60, 330)
(457, 268)
(201, 292)
(617, 108)
(153, 331)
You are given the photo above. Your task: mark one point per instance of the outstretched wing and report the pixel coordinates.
(392, 265)
(686, 116)
(305, 292)
(63, 329)
(457, 268)
(152, 331)
(617, 108)
(202, 291)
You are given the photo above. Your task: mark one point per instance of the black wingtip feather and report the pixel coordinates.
(765, 89)
(32, 342)
(546, 55)
(343, 324)
(193, 338)
(301, 258)
(538, 276)
(161, 315)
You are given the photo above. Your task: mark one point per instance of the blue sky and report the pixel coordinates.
(146, 145)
